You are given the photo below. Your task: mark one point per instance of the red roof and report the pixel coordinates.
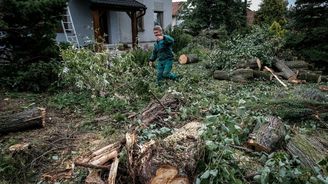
(176, 6)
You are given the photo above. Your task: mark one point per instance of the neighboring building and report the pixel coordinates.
(176, 9)
(117, 20)
(250, 17)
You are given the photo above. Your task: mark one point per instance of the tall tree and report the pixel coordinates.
(272, 10)
(28, 30)
(214, 14)
(309, 29)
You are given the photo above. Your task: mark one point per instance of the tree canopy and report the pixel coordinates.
(272, 10)
(309, 29)
(214, 14)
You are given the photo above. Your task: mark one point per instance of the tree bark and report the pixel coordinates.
(297, 64)
(267, 136)
(254, 63)
(239, 75)
(188, 58)
(33, 118)
(310, 150)
(287, 72)
(311, 76)
(171, 160)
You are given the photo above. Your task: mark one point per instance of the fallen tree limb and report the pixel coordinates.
(91, 166)
(33, 118)
(286, 71)
(188, 58)
(310, 150)
(275, 76)
(113, 172)
(157, 109)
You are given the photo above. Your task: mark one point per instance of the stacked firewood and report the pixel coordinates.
(294, 71)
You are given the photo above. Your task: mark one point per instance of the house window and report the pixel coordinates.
(158, 18)
(140, 23)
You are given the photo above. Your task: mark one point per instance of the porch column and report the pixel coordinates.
(133, 17)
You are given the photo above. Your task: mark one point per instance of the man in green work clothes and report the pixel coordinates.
(164, 55)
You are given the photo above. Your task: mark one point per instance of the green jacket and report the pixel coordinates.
(163, 49)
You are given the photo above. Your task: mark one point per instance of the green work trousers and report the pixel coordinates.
(164, 70)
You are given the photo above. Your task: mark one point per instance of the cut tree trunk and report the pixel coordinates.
(254, 63)
(311, 76)
(239, 75)
(287, 72)
(267, 136)
(262, 75)
(33, 118)
(297, 64)
(188, 58)
(171, 160)
(158, 109)
(221, 75)
(310, 150)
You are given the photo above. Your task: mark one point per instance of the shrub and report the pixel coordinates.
(181, 39)
(29, 27)
(260, 43)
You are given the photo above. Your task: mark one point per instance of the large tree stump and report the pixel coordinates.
(33, 118)
(188, 58)
(266, 136)
(172, 160)
(287, 72)
(310, 150)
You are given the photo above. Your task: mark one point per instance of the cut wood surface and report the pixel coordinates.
(265, 137)
(188, 58)
(287, 72)
(180, 152)
(310, 150)
(32, 118)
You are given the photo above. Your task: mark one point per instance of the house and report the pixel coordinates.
(114, 21)
(176, 9)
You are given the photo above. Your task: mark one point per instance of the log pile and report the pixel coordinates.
(295, 72)
(28, 119)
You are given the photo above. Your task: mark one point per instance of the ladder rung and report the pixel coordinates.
(68, 29)
(67, 22)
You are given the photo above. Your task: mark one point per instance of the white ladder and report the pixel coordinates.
(69, 29)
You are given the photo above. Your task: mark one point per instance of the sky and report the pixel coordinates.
(254, 3)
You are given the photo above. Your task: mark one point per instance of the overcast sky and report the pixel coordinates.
(255, 3)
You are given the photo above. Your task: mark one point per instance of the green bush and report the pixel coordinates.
(140, 57)
(181, 39)
(29, 40)
(260, 43)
